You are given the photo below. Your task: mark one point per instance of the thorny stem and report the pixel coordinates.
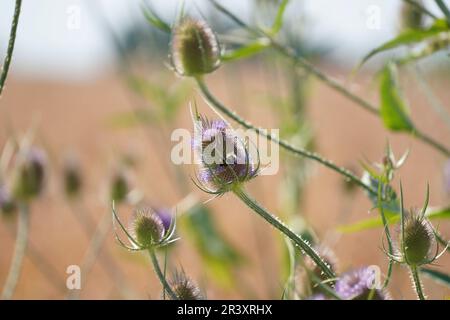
(334, 84)
(388, 236)
(284, 144)
(417, 283)
(12, 40)
(19, 253)
(278, 224)
(166, 286)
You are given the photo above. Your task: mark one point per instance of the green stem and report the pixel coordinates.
(166, 286)
(388, 235)
(275, 222)
(417, 283)
(282, 143)
(332, 83)
(19, 253)
(12, 40)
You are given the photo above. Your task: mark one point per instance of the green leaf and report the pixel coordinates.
(278, 22)
(218, 255)
(155, 20)
(376, 222)
(408, 37)
(444, 9)
(246, 51)
(437, 276)
(393, 110)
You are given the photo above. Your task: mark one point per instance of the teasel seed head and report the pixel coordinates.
(357, 285)
(194, 49)
(224, 158)
(30, 174)
(147, 228)
(417, 242)
(185, 288)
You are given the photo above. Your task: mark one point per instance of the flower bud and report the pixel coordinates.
(30, 175)
(195, 49)
(147, 228)
(185, 288)
(418, 241)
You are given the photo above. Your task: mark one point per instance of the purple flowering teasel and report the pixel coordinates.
(359, 284)
(224, 158)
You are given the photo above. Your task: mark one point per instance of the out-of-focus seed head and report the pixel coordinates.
(195, 49)
(358, 285)
(412, 17)
(224, 157)
(7, 204)
(119, 187)
(147, 228)
(72, 178)
(418, 243)
(185, 288)
(30, 174)
(309, 273)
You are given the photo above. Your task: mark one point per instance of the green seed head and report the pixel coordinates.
(418, 240)
(147, 228)
(119, 187)
(30, 174)
(195, 49)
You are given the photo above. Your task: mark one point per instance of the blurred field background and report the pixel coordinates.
(81, 103)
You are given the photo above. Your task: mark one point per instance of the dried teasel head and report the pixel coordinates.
(185, 288)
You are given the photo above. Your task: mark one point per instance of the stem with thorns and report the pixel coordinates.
(332, 83)
(284, 144)
(275, 222)
(19, 253)
(166, 286)
(12, 40)
(416, 282)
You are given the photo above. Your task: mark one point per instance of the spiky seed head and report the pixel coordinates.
(185, 288)
(30, 174)
(357, 285)
(418, 241)
(195, 49)
(147, 228)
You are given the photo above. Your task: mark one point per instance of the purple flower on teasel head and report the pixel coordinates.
(224, 158)
(360, 284)
(165, 215)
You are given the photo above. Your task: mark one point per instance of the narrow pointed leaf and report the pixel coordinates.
(437, 276)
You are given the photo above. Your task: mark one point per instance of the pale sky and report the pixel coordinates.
(50, 43)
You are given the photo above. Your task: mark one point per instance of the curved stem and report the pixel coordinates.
(275, 222)
(284, 144)
(166, 286)
(19, 253)
(332, 83)
(417, 283)
(12, 40)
